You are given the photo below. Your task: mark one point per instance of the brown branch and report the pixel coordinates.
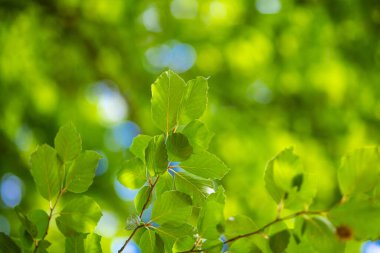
(291, 216)
(129, 238)
(141, 213)
(61, 192)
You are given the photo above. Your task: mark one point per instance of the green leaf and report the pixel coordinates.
(211, 220)
(183, 244)
(40, 219)
(82, 243)
(82, 172)
(287, 180)
(195, 99)
(196, 187)
(359, 171)
(239, 225)
(133, 222)
(206, 165)
(75, 244)
(141, 198)
(156, 156)
(279, 241)
(46, 171)
(359, 216)
(8, 245)
(172, 207)
(92, 243)
(43, 246)
(244, 245)
(178, 147)
(167, 93)
(81, 214)
(132, 174)
(170, 233)
(165, 183)
(68, 142)
(139, 144)
(150, 242)
(198, 135)
(320, 234)
(29, 226)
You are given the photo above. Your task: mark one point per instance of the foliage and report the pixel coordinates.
(180, 180)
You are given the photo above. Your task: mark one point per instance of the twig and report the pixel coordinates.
(141, 214)
(291, 216)
(49, 219)
(129, 238)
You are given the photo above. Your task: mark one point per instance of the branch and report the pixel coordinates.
(291, 216)
(49, 219)
(142, 212)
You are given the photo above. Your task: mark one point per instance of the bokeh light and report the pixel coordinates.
(5, 227)
(123, 192)
(11, 190)
(108, 224)
(119, 241)
(371, 247)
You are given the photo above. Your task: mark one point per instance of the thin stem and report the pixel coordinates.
(260, 230)
(141, 214)
(129, 238)
(149, 196)
(61, 192)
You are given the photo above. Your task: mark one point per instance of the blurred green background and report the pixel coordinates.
(302, 73)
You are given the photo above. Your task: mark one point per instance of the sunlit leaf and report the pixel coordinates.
(68, 142)
(132, 173)
(80, 214)
(172, 207)
(198, 135)
(142, 197)
(82, 172)
(40, 219)
(139, 144)
(206, 165)
(195, 98)
(359, 171)
(178, 147)
(156, 156)
(167, 93)
(46, 171)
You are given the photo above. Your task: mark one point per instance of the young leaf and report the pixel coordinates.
(46, 171)
(156, 156)
(164, 184)
(183, 244)
(170, 234)
(68, 142)
(279, 241)
(211, 220)
(81, 214)
(43, 245)
(139, 144)
(75, 244)
(198, 135)
(178, 147)
(150, 242)
(167, 93)
(239, 225)
(197, 187)
(359, 216)
(320, 234)
(29, 226)
(206, 165)
(40, 219)
(82, 172)
(92, 243)
(172, 207)
(287, 180)
(132, 174)
(7, 245)
(359, 172)
(141, 198)
(195, 99)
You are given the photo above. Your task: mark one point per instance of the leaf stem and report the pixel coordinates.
(260, 230)
(52, 207)
(141, 214)
(129, 238)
